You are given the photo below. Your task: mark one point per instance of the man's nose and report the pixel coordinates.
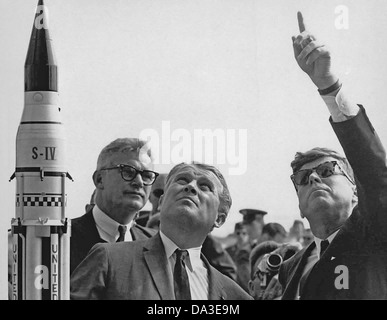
(137, 181)
(314, 177)
(191, 188)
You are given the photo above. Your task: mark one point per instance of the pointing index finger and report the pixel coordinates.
(301, 24)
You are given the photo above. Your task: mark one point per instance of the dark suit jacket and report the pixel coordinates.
(219, 257)
(359, 249)
(241, 257)
(84, 235)
(138, 270)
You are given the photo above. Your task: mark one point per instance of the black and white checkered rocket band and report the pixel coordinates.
(39, 200)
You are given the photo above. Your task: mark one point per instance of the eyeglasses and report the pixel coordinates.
(158, 193)
(128, 173)
(324, 170)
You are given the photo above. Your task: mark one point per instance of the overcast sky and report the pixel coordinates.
(183, 70)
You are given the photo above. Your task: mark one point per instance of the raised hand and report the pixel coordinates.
(312, 57)
(273, 290)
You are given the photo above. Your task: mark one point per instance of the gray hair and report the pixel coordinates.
(123, 145)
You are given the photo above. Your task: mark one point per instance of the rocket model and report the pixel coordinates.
(40, 229)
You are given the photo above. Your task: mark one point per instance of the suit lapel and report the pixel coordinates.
(215, 287)
(134, 232)
(340, 244)
(344, 241)
(296, 272)
(141, 233)
(156, 259)
(88, 228)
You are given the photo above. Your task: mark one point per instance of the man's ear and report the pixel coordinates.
(221, 218)
(160, 201)
(98, 179)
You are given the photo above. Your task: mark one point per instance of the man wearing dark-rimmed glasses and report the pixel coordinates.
(123, 180)
(347, 216)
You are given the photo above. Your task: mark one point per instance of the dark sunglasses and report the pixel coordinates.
(324, 170)
(128, 173)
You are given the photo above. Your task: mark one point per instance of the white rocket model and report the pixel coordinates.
(40, 229)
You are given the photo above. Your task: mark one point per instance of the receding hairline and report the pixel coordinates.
(185, 168)
(224, 192)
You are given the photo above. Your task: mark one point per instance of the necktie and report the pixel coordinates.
(324, 245)
(122, 231)
(180, 277)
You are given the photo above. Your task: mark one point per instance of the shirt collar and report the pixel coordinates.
(318, 241)
(106, 223)
(194, 260)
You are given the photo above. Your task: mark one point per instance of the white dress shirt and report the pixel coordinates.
(108, 228)
(196, 270)
(340, 108)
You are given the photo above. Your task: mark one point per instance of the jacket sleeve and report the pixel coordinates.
(367, 157)
(88, 281)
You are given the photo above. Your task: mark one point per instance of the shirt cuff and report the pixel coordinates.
(340, 108)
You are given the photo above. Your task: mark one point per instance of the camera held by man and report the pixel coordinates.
(266, 259)
(268, 268)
